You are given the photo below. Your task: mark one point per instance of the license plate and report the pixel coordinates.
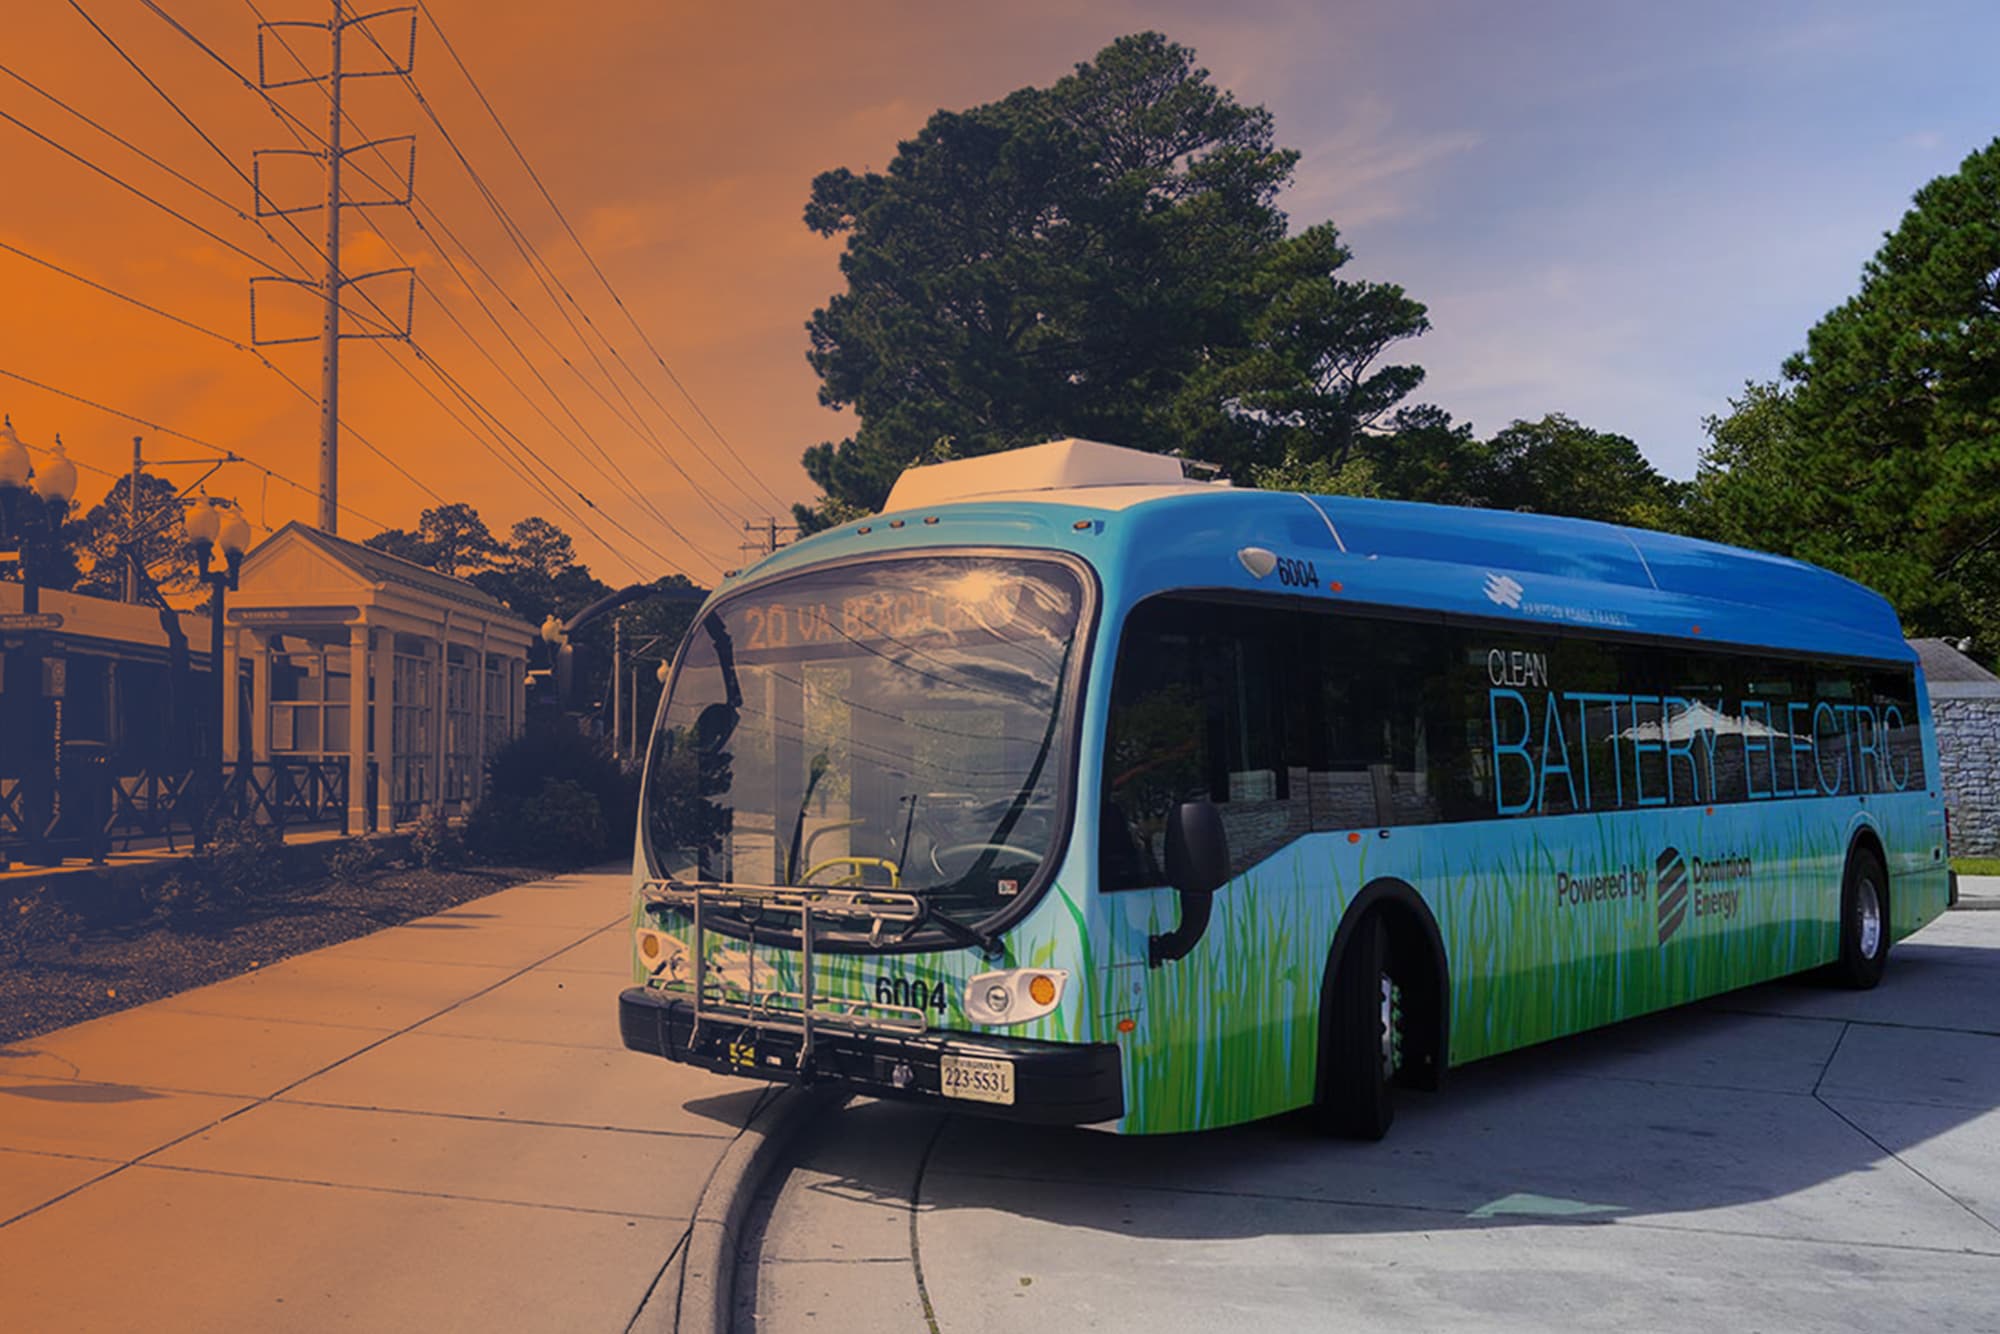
(978, 1079)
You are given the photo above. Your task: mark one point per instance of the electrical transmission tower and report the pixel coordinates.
(334, 281)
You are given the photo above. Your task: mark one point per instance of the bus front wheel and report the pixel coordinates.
(1864, 921)
(1361, 1045)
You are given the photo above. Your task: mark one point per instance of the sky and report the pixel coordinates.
(1616, 211)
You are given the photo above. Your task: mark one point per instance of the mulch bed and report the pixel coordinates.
(52, 983)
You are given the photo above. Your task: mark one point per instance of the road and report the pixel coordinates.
(1785, 1157)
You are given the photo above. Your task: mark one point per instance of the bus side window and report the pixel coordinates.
(1155, 748)
(1200, 709)
(1378, 737)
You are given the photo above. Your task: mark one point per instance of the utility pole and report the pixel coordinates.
(334, 281)
(132, 525)
(763, 537)
(617, 680)
(329, 391)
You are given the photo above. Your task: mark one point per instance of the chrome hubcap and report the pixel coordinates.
(1392, 1026)
(1869, 905)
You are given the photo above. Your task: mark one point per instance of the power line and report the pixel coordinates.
(557, 293)
(126, 297)
(552, 286)
(508, 455)
(458, 389)
(516, 236)
(529, 449)
(631, 487)
(229, 455)
(119, 181)
(119, 139)
(590, 259)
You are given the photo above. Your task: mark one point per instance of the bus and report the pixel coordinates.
(1072, 791)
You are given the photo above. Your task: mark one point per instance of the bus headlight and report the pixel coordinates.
(1013, 995)
(661, 955)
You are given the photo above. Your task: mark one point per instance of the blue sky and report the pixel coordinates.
(1622, 212)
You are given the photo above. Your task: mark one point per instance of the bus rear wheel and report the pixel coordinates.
(1864, 921)
(1361, 1045)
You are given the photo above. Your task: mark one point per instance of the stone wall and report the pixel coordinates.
(1968, 735)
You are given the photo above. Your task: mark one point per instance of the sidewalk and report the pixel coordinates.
(433, 1127)
(1979, 891)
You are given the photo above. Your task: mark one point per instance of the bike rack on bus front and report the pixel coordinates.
(878, 908)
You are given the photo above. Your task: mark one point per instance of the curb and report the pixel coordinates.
(705, 1300)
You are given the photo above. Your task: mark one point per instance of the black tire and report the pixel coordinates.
(1864, 921)
(1361, 1038)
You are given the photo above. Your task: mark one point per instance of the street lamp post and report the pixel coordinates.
(211, 525)
(33, 505)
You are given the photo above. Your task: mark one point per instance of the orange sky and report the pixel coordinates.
(1618, 212)
(679, 138)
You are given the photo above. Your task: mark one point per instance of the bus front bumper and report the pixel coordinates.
(1054, 1083)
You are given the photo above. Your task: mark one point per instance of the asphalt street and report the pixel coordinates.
(1782, 1158)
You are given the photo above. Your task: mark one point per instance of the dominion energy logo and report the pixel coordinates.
(1671, 899)
(1682, 887)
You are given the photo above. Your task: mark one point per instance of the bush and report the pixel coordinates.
(240, 862)
(435, 844)
(353, 859)
(554, 796)
(561, 825)
(165, 896)
(36, 919)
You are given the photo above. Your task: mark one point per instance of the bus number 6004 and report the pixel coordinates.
(909, 993)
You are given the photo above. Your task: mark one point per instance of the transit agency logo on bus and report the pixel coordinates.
(1503, 590)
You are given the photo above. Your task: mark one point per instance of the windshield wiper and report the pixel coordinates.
(962, 932)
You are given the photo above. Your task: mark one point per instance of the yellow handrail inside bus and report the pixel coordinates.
(859, 866)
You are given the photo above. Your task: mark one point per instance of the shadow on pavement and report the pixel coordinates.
(1766, 1110)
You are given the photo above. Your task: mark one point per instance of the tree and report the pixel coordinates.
(1880, 457)
(102, 537)
(1749, 488)
(1559, 466)
(1311, 378)
(529, 571)
(451, 539)
(1104, 258)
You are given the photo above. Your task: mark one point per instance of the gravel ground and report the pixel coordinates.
(63, 978)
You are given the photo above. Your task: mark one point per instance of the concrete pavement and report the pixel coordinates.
(433, 1127)
(1786, 1157)
(1979, 891)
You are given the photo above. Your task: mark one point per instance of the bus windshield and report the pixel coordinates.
(897, 724)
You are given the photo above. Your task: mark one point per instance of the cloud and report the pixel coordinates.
(1369, 171)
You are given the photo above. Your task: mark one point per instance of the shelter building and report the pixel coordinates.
(348, 655)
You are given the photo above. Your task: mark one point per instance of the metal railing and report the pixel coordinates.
(98, 810)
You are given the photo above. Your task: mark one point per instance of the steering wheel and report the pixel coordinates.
(961, 849)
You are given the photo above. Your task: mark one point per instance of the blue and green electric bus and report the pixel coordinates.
(1071, 791)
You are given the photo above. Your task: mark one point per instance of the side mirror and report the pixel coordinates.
(1197, 848)
(1197, 866)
